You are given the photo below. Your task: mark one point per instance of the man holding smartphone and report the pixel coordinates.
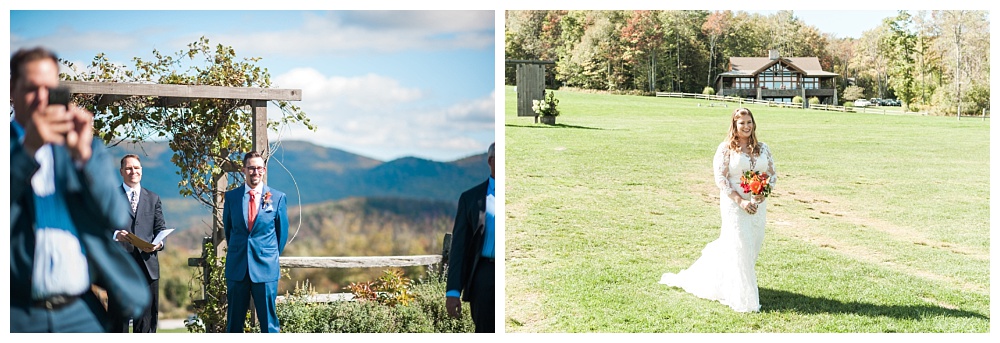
(64, 209)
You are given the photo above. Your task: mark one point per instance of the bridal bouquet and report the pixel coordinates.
(755, 183)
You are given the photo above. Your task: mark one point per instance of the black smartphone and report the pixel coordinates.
(59, 96)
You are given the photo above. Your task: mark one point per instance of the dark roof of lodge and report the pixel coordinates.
(750, 66)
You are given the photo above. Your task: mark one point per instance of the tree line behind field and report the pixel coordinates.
(926, 59)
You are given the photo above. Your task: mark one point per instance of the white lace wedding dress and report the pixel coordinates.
(725, 270)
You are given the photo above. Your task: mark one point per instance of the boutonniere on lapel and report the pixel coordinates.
(266, 204)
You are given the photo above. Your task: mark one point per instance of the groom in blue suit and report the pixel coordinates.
(256, 224)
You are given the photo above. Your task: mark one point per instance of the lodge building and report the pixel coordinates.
(779, 79)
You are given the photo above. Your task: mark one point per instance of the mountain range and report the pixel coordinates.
(310, 174)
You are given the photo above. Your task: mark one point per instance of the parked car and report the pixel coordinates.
(861, 103)
(891, 102)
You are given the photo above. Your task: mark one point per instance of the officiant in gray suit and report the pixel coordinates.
(146, 222)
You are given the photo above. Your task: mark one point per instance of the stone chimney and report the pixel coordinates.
(773, 54)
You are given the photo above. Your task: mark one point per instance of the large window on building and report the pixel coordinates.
(810, 83)
(780, 100)
(779, 77)
(743, 83)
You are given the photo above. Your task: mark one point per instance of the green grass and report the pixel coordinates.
(878, 223)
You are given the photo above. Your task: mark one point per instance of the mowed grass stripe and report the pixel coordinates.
(879, 223)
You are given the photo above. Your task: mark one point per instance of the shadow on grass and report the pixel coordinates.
(779, 301)
(554, 126)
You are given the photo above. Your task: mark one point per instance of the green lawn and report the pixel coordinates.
(878, 223)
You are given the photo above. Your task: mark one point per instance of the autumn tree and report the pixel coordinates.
(595, 61)
(852, 93)
(871, 58)
(964, 45)
(927, 59)
(686, 49)
(715, 27)
(531, 35)
(642, 35)
(900, 43)
(842, 52)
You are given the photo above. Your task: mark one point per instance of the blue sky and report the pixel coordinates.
(383, 84)
(842, 23)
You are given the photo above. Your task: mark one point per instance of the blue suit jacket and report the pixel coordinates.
(257, 249)
(95, 208)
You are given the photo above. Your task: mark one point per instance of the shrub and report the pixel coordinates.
(391, 289)
(797, 100)
(425, 313)
(708, 91)
(848, 104)
(814, 101)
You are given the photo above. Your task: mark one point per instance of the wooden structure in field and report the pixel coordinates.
(530, 84)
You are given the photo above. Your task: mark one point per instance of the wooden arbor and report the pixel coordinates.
(178, 95)
(172, 96)
(530, 76)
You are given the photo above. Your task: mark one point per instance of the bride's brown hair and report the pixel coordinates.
(734, 141)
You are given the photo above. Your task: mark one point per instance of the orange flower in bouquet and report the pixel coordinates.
(755, 183)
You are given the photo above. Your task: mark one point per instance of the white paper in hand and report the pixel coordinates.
(163, 234)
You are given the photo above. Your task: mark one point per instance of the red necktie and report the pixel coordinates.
(252, 210)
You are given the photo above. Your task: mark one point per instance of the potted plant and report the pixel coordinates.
(546, 108)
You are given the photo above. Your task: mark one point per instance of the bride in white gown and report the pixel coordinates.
(725, 270)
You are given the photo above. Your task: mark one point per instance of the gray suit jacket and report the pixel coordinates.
(146, 223)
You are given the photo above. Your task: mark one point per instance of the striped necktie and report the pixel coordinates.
(134, 200)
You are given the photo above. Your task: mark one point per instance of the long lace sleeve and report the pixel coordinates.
(773, 176)
(720, 166)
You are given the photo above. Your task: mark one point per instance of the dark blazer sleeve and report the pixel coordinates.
(148, 226)
(458, 237)
(158, 223)
(462, 237)
(22, 167)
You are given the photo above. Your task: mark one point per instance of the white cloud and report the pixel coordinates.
(365, 32)
(377, 117)
(69, 39)
(365, 93)
(428, 21)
